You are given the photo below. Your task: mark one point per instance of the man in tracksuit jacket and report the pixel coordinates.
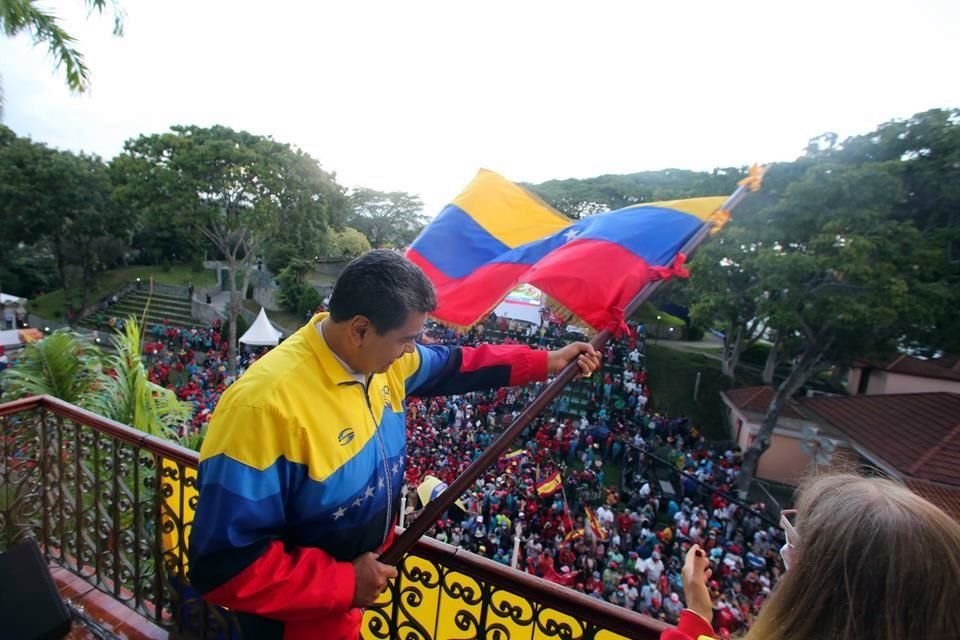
(303, 461)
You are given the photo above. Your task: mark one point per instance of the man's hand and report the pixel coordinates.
(583, 352)
(370, 579)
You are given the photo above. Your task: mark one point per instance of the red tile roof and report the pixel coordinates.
(918, 433)
(944, 496)
(945, 368)
(757, 399)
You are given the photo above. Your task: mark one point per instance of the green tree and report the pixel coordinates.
(26, 16)
(927, 148)
(845, 278)
(349, 243)
(387, 219)
(62, 200)
(725, 290)
(579, 198)
(234, 188)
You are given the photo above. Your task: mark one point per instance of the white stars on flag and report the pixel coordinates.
(368, 493)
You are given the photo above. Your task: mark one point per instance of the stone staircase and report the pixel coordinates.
(175, 311)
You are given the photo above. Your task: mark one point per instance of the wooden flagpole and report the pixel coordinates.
(433, 510)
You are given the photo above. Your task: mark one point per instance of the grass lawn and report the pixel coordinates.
(673, 374)
(611, 471)
(54, 304)
(648, 313)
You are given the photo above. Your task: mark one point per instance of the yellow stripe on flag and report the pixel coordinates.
(550, 485)
(507, 211)
(702, 208)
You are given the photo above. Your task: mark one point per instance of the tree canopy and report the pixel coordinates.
(850, 251)
(59, 204)
(27, 16)
(235, 189)
(387, 219)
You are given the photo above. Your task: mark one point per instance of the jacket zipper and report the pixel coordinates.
(386, 469)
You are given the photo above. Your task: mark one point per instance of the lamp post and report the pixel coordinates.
(656, 337)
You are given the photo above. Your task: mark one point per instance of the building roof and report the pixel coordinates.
(918, 434)
(945, 368)
(757, 399)
(944, 496)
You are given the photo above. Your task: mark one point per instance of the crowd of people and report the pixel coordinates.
(606, 441)
(603, 429)
(192, 362)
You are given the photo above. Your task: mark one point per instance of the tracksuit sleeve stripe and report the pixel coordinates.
(456, 370)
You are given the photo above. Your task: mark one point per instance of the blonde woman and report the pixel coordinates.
(866, 560)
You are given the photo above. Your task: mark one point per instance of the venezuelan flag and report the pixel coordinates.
(550, 486)
(495, 235)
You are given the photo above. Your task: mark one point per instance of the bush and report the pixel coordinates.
(695, 333)
(196, 263)
(309, 301)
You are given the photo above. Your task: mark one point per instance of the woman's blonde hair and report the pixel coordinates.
(874, 561)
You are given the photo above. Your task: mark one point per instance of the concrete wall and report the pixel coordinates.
(784, 461)
(885, 382)
(266, 298)
(204, 312)
(330, 268)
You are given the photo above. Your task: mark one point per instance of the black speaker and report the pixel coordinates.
(30, 606)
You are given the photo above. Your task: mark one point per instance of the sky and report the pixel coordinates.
(416, 96)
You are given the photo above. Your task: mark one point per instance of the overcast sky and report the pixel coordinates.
(416, 96)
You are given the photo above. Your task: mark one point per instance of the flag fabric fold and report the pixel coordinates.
(495, 235)
(551, 485)
(573, 536)
(596, 528)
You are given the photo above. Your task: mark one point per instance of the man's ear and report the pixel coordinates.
(359, 326)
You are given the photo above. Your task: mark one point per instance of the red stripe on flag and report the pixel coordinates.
(595, 279)
(437, 277)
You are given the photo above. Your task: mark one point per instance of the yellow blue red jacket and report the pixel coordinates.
(301, 472)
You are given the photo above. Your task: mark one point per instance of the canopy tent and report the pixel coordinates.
(7, 299)
(261, 333)
(17, 337)
(523, 303)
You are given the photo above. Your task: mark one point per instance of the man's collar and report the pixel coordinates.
(334, 366)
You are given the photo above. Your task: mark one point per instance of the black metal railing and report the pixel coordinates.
(114, 506)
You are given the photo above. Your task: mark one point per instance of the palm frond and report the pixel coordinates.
(129, 396)
(63, 365)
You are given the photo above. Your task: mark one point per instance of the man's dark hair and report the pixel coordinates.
(384, 287)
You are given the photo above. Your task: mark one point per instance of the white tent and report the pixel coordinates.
(261, 333)
(6, 298)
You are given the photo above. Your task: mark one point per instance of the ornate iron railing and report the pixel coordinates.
(115, 506)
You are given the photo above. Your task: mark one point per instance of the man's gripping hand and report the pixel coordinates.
(370, 577)
(583, 352)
